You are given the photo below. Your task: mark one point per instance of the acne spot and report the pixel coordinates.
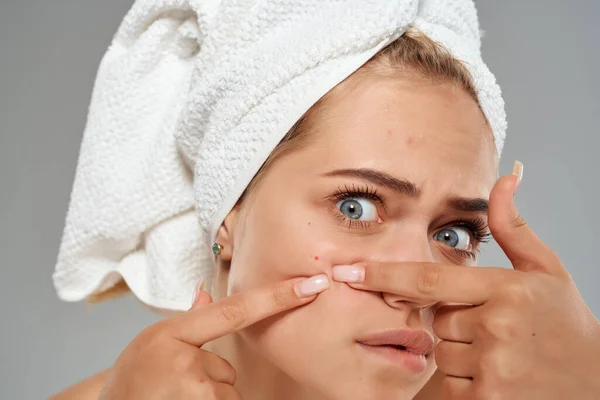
(389, 132)
(410, 140)
(316, 258)
(309, 223)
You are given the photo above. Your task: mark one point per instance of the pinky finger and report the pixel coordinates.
(456, 388)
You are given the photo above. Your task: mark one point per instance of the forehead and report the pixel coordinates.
(433, 133)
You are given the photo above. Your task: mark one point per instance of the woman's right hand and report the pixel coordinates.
(166, 361)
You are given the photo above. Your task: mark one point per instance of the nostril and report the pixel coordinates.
(397, 301)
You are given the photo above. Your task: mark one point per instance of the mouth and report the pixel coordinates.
(407, 348)
(396, 347)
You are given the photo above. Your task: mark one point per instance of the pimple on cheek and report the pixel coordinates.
(389, 132)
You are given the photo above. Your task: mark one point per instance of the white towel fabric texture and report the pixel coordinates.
(191, 98)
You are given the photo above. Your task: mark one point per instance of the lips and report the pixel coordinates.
(415, 341)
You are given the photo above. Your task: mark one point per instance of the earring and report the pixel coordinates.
(217, 248)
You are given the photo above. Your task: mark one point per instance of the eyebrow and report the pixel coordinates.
(469, 205)
(401, 186)
(408, 188)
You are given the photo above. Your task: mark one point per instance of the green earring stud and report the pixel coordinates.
(216, 249)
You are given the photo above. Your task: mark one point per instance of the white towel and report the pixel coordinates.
(190, 99)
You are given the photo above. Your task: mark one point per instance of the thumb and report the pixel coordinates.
(201, 297)
(522, 246)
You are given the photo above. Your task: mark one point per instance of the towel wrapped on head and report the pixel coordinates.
(189, 101)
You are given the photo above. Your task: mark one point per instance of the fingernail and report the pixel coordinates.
(197, 289)
(311, 286)
(518, 172)
(349, 273)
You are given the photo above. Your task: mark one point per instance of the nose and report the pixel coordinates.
(407, 246)
(396, 301)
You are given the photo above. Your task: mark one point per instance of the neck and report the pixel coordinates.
(257, 377)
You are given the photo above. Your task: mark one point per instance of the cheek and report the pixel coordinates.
(321, 333)
(299, 240)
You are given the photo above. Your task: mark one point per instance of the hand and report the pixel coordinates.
(166, 361)
(522, 334)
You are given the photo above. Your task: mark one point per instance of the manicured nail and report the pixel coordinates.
(311, 286)
(349, 273)
(518, 172)
(197, 289)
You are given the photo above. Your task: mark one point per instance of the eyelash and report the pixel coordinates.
(479, 232)
(477, 227)
(348, 192)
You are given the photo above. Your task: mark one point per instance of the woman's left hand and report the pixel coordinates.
(525, 333)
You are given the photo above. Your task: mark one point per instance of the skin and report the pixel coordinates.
(435, 136)
(520, 327)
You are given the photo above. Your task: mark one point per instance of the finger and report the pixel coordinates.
(455, 388)
(201, 297)
(201, 325)
(519, 242)
(426, 281)
(455, 323)
(217, 368)
(455, 359)
(223, 391)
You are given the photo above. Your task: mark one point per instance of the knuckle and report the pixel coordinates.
(224, 369)
(499, 326)
(151, 337)
(487, 365)
(498, 368)
(184, 362)
(234, 312)
(428, 280)
(151, 332)
(489, 387)
(230, 371)
(517, 221)
(516, 291)
(200, 387)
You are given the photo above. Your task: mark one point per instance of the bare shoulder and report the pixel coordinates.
(87, 389)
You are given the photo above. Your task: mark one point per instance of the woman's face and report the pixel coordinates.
(386, 175)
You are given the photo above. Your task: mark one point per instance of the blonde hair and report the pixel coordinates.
(414, 56)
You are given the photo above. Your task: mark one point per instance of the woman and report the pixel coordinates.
(341, 265)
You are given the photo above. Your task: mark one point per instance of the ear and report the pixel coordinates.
(225, 234)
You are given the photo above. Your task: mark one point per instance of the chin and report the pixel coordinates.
(362, 381)
(366, 389)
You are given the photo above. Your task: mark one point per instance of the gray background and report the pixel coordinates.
(544, 53)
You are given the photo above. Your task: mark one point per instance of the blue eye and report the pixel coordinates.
(457, 238)
(358, 208)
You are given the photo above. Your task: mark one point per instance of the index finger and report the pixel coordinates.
(426, 281)
(201, 325)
